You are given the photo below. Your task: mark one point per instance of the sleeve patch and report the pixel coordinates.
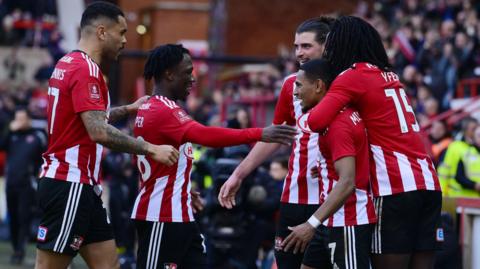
(94, 90)
(182, 116)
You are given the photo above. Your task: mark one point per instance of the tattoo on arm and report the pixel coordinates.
(109, 136)
(118, 113)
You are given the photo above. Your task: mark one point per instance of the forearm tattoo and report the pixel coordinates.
(113, 138)
(118, 113)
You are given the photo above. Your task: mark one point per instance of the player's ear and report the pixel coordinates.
(101, 32)
(319, 86)
(169, 74)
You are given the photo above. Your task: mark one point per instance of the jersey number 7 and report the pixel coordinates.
(401, 116)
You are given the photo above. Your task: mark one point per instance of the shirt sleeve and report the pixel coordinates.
(462, 178)
(341, 140)
(86, 91)
(341, 93)
(220, 137)
(284, 106)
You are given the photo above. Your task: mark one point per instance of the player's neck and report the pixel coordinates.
(161, 90)
(91, 50)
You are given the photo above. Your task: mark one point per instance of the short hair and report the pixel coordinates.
(162, 58)
(100, 10)
(320, 26)
(318, 69)
(352, 40)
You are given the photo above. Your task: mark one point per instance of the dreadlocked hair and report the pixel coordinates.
(319, 25)
(162, 58)
(352, 40)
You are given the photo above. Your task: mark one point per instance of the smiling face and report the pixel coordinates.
(307, 91)
(182, 78)
(306, 48)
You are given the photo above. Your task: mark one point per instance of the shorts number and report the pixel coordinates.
(401, 117)
(143, 165)
(55, 93)
(332, 247)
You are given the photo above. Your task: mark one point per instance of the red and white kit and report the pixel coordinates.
(165, 190)
(76, 85)
(346, 137)
(299, 186)
(390, 123)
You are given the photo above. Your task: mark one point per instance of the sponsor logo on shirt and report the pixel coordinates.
(188, 150)
(94, 90)
(42, 233)
(169, 266)
(76, 242)
(440, 236)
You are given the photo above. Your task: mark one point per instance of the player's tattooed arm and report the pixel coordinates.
(103, 133)
(118, 113)
(121, 112)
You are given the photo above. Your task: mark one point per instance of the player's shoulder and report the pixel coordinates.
(81, 64)
(347, 118)
(289, 81)
(356, 72)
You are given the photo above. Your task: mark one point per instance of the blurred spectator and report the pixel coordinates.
(24, 146)
(452, 163)
(440, 138)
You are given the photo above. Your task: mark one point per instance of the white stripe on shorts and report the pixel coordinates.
(154, 246)
(68, 217)
(377, 231)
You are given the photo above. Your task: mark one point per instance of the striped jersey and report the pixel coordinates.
(345, 137)
(165, 190)
(299, 186)
(398, 160)
(76, 86)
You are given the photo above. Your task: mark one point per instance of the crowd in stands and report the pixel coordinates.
(432, 45)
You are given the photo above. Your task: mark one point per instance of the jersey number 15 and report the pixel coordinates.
(401, 116)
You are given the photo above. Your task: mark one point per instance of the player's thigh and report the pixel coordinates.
(100, 255)
(317, 254)
(350, 246)
(390, 261)
(46, 259)
(430, 235)
(396, 228)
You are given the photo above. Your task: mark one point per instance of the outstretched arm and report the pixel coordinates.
(103, 133)
(121, 112)
(223, 137)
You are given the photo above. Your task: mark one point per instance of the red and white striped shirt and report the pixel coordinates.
(299, 186)
(165, 190)
(346, 136)
(398, 160)
(76, 86)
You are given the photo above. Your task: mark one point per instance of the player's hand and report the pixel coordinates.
(165, 154)
(133, 107)
(314, 172)
(229, 189)
(197, 202)
(299, 238)
(283, 134)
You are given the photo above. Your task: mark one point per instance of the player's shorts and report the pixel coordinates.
(170, 245)
(72, 216)
(349, 246)
(293, 215)
(408, 222)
